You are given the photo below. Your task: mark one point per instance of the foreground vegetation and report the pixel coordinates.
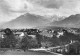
(12, 41)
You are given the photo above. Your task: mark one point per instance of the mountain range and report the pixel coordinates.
(26, 21)
(30, 20)
(71, 21)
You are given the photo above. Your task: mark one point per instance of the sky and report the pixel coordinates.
(11, 9)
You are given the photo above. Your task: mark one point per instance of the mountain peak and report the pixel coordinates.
(71, 21)
(26, 21)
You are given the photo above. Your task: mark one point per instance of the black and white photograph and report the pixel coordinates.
(39, 27)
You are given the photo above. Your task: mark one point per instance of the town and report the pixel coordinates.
(65, 41)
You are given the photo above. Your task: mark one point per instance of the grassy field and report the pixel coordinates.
(6, 51)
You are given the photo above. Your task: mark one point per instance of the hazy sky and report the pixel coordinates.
(11, 9)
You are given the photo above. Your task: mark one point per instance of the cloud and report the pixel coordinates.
(48, 3)
(60, 7)
(16, 5)
(7, 8)
(47, 8)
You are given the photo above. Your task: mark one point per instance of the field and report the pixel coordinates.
(6, 51)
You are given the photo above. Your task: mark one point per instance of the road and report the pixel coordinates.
(21, 52)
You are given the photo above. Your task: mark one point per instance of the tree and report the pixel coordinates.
(9, 40)
(25, 42)
(39, 38)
